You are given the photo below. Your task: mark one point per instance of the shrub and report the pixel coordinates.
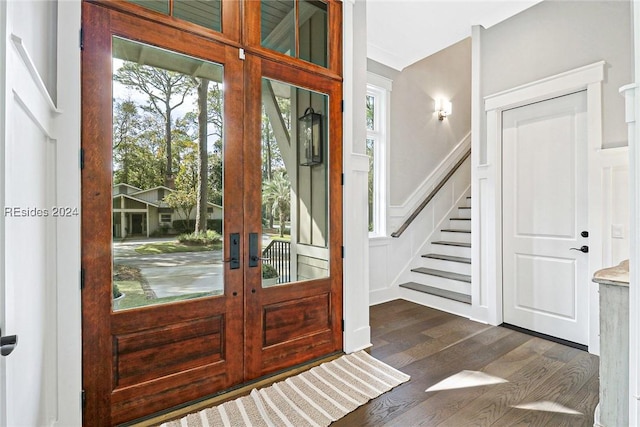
(116, 291)
(215, 225)
(184, 226)
(269, 271)
(208, 238)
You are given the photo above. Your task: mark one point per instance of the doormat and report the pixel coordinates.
(316, 397)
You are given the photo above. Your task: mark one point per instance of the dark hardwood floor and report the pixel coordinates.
(560, 383)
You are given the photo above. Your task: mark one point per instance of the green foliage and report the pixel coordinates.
(183, 201)
(116, 291)
(135, 151)
(276, 195)
(208, 237)
(268, 271)
(183, 226)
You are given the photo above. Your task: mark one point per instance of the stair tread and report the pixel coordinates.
(443, 293)
(461, 244)
(456, 230)
(442, 273)
(464, 207)
(461, 219)
(448, 258)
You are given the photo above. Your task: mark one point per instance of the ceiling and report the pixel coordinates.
(401, 32)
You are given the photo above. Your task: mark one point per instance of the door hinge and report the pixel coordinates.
(342, 179)
(342, 325)
(81, 278)
(342, 251)
(81, 38)
(342, 106)
(82, 158)
(241, 54)
(83, 399)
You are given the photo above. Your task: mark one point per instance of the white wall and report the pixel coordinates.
(357, 334)
(68, 194)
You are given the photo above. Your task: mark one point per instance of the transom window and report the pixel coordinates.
(206, 13)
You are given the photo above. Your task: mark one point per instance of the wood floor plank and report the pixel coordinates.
(499, 399)
(447, 404)
(560, 389)
(432, 346)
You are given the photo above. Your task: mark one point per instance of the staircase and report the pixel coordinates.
(443, 273)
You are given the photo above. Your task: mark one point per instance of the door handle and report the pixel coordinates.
(8, 344)
(254, 254)
(234, 251)
(583, 249)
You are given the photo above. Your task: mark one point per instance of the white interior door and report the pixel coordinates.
(28, 187)
(545, 281)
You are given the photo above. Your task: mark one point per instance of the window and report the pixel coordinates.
(165, 218)
(377, 104)
(206, 13)
(298, 28)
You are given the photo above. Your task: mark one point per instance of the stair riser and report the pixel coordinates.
(455, 237)
(467, 202)
(460, 225)
(451, 250)
(438, 303)
(441, 282)
(464, 213)
(451, 266)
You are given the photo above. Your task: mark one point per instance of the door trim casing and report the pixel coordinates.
(487, 280)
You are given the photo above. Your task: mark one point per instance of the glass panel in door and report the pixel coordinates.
(295, 194)
(167, 212)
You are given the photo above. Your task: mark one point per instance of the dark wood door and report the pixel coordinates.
(192, 324)
(166, 346)
(298, 318)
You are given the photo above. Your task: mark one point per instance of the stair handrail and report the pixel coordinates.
(431, 195)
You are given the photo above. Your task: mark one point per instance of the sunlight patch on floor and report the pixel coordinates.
(466, 379)
(547, 406)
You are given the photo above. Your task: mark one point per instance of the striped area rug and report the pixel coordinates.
(314, 398)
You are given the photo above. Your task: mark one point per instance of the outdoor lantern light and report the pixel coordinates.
(310, 138)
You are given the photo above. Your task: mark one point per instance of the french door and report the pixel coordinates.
(183, 131)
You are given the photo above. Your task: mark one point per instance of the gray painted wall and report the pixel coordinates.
(419, 141)
(557, 36)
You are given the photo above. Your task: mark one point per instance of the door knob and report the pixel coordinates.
(583, 249)
(8, 344)
(585, 234)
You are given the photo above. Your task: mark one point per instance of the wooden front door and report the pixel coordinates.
(168, 322)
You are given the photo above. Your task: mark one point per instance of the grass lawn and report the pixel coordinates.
(135, 297)
(173, 247)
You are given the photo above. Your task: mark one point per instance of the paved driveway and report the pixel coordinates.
(174, 274)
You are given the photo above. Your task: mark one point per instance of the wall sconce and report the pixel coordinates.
(443, 108)
(310, 138)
